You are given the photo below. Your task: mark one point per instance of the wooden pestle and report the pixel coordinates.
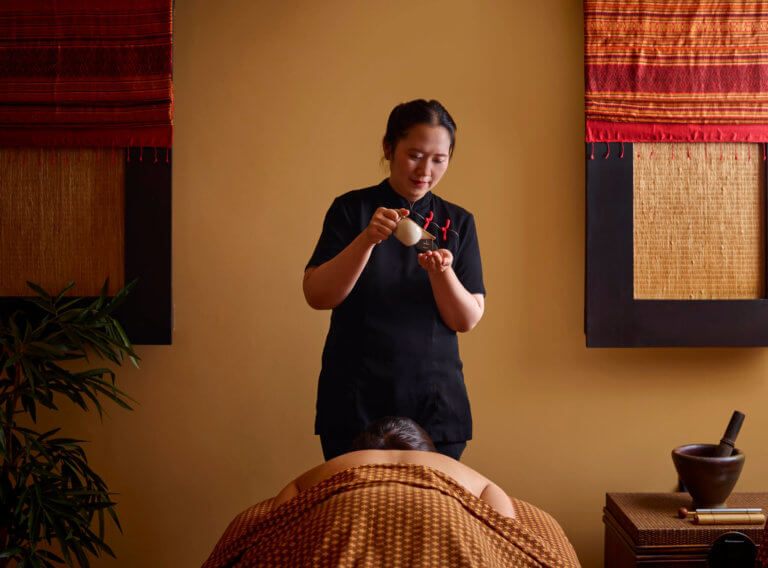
(725, 448)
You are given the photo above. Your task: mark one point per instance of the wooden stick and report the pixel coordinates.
(729, 519)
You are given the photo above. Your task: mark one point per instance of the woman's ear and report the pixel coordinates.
(387, 150)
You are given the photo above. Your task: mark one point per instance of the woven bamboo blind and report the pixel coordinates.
(61, 218)
(698, 221)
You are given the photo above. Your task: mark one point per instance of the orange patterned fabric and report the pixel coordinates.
(391, 515)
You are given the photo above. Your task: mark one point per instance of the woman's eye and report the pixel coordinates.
(415, 157)
(439, 160)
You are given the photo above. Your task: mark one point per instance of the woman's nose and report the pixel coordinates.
(422, 168)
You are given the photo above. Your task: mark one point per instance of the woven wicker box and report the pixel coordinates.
(643, 529)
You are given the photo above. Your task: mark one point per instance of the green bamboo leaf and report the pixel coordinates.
(46, 400)
(100, 515)
(47, 434)
(66, 305)
(60, 533)
(87, 392)
(56, 350)
(31, 373)
(42, 304)
(29, 406)
(66, 513)
(65, 290)
(90, 373)
(21, 502)
(104, 289)
(112, 387)
(70, 315)
(38, 290)
(114, 397)
(119, 298)
(126, 343)
(32, 520)
(81, 557)
(11, 361)
(98, 506)
(74, 340)
(113, 516)
(106, 548)
(65, 442)
(76, 396)
(15, 333)
(48, 555)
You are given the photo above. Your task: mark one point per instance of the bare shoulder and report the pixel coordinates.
(332, 467)
(471, 480)
(464, 475)
(474, 482)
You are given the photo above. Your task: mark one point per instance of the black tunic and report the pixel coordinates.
(388, 351)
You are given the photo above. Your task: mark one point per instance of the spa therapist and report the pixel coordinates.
(392, 348)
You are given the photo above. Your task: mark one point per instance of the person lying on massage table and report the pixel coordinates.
(400, 440)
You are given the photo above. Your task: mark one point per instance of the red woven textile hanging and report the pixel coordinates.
(692, 70)
(86, 73)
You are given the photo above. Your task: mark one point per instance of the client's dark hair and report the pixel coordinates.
(393, 433)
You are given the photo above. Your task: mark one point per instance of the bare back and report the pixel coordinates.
(465, 476)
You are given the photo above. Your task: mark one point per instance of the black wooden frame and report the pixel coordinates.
(613, 318)
(147, 315)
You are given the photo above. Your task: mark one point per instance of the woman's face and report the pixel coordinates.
(419, 160)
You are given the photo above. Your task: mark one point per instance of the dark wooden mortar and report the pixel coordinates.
(708, 479)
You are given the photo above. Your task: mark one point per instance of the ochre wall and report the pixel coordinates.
(280, 106)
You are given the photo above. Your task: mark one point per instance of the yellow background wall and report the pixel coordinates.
(280, 106)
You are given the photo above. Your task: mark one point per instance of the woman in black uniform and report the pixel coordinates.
(392, 348)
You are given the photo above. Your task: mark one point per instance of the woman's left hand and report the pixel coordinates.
(436, 260)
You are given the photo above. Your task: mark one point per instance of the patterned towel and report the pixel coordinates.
(391, 515)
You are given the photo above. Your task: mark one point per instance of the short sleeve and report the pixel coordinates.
(467, 264)
(337, 234)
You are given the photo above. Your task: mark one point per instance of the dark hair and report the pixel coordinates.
(406, 115)
(393, 433)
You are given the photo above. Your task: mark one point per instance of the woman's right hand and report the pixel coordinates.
(383, 224)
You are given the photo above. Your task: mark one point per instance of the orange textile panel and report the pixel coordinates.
(63, 218)
(699, 222)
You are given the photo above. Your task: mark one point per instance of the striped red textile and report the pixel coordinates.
(86, 73)
(689, 70)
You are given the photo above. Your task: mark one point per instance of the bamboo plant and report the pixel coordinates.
(52, 504)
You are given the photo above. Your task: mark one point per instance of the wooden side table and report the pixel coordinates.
(643, 530)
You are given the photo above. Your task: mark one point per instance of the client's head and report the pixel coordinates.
(393, 433)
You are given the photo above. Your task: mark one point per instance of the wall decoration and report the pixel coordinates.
(676, 109)
(86, 108)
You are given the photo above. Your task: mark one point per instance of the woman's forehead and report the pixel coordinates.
(426, 135)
